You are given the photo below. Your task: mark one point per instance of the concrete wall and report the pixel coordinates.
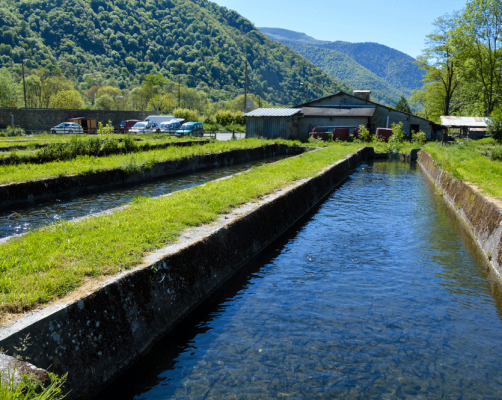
(25, 193)
(99, 336)
(482, 216)
(41, 119)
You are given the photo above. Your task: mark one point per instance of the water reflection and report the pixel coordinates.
(376, 296)
(13, 222)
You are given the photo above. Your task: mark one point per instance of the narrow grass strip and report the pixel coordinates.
(89, 164)
(465, 163)
(50, 262)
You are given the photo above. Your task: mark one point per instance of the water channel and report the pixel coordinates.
(378, 294)
(22, 220)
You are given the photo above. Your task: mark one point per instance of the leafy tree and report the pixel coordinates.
(8, 89)
(33, 91)
(478, 37)
(402, 105)
(440, 63)
(67, 99)
(105, 102)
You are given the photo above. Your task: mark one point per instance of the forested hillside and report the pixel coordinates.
(396, 68)
(346, 69)
(118, 42)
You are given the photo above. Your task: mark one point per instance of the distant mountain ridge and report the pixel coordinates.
(388, 72)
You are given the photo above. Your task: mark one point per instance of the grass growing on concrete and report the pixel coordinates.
(128, 162)
(31, 389)
(50, 262)
(466, 162)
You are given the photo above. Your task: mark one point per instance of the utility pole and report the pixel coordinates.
(307, 94)
(259, 94)
(246, 88)
(179, 90)
(24, 86)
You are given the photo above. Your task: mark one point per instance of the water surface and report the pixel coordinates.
(379, 294)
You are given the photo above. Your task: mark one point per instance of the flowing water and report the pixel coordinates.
(24, 219)
(378, 294)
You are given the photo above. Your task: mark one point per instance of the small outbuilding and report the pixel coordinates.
(89, 125)
(341, 110)
(468, 127)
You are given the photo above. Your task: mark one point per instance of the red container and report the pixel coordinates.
(383, 133)
(319, 133)
(341, 133)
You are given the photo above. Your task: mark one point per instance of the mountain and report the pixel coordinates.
(118, 42)
(392, 66)
(346, 69)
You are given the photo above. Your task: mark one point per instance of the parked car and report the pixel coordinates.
(171, 126)
(124, 126)
(191, 128)
(144, 127)
(67, 127)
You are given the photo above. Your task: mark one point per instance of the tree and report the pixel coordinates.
(8, 89)
(67, 99)
(494, 127)
(33, 91)
(478, 37)
(402, 105)
(439, 61)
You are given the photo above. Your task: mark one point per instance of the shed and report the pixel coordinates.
(271, 123)
(471, 127)
(88, 125)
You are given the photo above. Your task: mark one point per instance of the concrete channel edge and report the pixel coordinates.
(99, 336)
(482, 216)
(26, 193)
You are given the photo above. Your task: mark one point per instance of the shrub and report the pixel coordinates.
(496, 153)
(396, 140)
(186, 114)
(364, 134)
(130, 145)
(108, 129)
(494, 127)
(419, 138)
(110, 146)
(227, 117)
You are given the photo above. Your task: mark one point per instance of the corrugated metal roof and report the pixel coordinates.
(475, 122)
(273, 112)
(343, 111)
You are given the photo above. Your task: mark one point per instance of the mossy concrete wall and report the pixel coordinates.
(25, 193)
(482, 216)
(96, 338)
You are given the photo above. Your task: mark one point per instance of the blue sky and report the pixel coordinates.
(402, 25)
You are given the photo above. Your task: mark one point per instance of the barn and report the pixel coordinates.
(340, 110)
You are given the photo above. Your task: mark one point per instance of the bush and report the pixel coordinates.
(494, 127)
(364, 134)
(396, 140)
(12, 131)
(496, 153)
(227, 117)
(186, 114)
(108, 129)
(419, 138)
(129, 145)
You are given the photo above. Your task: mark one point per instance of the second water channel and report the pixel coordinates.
(379, 293)
(22, 220)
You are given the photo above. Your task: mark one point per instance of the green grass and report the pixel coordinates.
(30, 389)
(50, 262)
(467, 162)
(143, 159)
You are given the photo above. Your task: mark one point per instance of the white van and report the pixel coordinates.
(158, 119)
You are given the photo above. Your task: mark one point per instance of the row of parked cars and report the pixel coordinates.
(152, 124)
(161, 124)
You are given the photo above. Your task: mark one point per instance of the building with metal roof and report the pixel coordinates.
(471, 127)
(340, 110)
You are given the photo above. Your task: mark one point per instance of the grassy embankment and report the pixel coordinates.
(50, 262)
(133, 162)
(471, 162)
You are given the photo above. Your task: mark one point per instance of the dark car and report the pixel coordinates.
(124, 126)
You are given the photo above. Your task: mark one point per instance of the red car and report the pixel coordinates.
(124, 126)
